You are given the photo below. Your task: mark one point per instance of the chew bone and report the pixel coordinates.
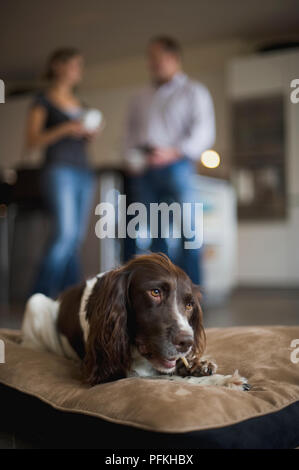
(186, 363)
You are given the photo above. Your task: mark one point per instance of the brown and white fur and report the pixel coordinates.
(136, 320)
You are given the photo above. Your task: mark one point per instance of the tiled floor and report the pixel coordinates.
(245, 307)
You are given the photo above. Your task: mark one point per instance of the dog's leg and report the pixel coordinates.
(234, 381)
(39, 324)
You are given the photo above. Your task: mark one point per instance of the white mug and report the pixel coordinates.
(91, 119)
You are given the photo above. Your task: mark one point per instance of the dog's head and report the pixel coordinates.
(149, 303)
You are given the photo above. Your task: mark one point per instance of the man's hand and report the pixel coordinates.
(163, 156)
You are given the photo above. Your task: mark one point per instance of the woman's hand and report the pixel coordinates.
(73, 129)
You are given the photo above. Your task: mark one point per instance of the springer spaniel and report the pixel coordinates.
(136, 320)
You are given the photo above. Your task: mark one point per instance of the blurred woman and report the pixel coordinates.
(67, 180)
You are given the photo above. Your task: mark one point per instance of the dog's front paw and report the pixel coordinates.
(236, 382)
(197, 367)
(204, 367)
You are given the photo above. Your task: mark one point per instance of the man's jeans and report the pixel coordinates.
(168, 184)
(68, 191)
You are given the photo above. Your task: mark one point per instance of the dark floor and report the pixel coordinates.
(9, 440)
(245, 307)
(256, 307)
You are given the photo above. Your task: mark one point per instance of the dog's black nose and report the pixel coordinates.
(182, 341)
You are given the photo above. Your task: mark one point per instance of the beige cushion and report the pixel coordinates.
(262, 354)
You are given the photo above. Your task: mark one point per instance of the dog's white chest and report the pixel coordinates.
(140, 366)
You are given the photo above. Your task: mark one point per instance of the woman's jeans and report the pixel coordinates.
(172, 183)
(68, 192)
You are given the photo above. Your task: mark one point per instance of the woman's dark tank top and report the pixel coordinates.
(68, 150)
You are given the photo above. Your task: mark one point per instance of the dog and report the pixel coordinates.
(141, 319)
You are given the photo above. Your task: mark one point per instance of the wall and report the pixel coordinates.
(268, 251)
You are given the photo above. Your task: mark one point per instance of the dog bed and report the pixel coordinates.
(43, 392)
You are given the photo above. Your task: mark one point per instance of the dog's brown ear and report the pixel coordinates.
(108, 348)
(196, 322)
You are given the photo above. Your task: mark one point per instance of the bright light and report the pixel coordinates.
(210, 159)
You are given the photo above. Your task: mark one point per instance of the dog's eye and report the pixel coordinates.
(155, 293)
(189, 306)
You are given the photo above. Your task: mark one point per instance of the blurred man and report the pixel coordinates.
(170, 123)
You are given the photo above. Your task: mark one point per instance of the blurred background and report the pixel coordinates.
(247, 54)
